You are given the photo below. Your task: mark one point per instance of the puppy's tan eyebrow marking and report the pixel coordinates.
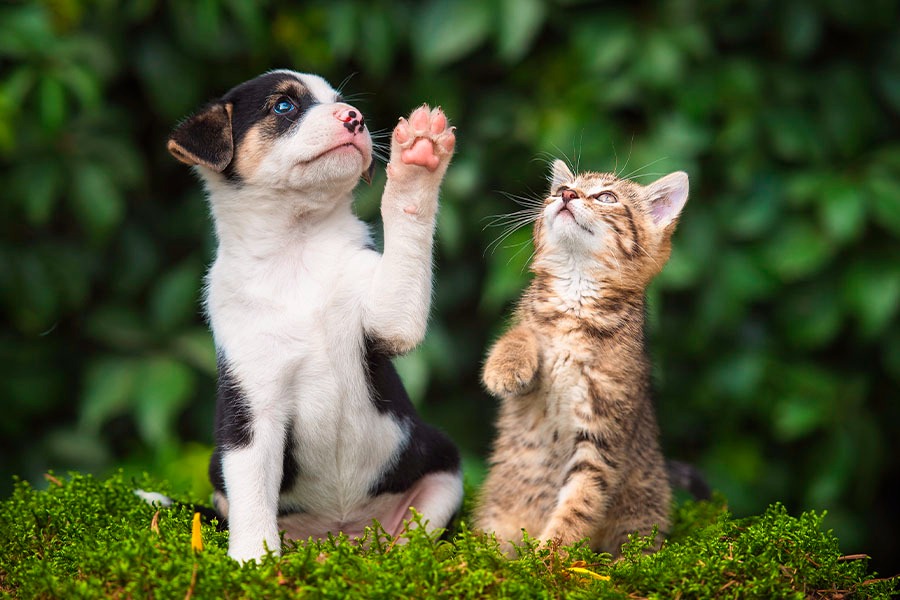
(291, 88)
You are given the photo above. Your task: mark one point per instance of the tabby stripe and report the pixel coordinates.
(592, 438)
(612, 223)
(634, 231)
(598, 404)
(597, 474)
(600, 444)
(582, 516)
(582, 467)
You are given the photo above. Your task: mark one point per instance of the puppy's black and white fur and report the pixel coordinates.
(314, 431)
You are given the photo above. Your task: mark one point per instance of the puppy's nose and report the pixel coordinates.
(351, 118)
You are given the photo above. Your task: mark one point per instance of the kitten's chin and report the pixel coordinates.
(567, 234)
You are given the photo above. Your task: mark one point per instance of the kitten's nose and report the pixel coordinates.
(568, 195)
(351, 118)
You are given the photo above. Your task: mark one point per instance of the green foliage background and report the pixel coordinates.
(774, 328)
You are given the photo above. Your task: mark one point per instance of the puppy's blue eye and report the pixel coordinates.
(283, 107)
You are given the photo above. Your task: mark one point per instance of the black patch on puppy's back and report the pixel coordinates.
(426, 449)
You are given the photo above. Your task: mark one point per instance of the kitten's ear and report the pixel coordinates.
(560, 174)
(205, 138)
(667, 197)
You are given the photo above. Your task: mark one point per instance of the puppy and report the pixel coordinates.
(314, 432)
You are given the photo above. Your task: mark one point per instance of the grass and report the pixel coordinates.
(89, 538)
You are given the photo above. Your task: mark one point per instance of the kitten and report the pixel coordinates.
(577, 451)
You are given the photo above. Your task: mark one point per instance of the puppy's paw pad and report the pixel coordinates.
(424, 139)
(421, 153)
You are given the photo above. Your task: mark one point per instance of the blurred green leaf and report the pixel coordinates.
(836, 461)
(519, 23)
(797, 417)
(872, 294)
(884, 199)
(108, 391)
(507, 269)
(117, 326)
(83, 85)
(196, 348)
(378, 36)
(810, 317)
(73, 449)
(38, 305)
(842, 210)
(659, 61)
(447, 30)
(175, 298)
(343, 30)
(450, 229)
(52, 103)
(37, 185)
(162, 390)
(754, 215)
(607, 51)
(793, 135)
(797, 250)
(800, 28)
(96, 201)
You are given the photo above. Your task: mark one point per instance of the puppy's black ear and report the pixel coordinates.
(369, 173)
(205, 138)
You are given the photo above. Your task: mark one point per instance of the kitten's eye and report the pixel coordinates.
(283, 107)
(606, 198)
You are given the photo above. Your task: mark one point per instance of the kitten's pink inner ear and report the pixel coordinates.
(560, 174)
(668, 196)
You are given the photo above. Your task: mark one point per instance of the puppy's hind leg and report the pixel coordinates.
(437, 497)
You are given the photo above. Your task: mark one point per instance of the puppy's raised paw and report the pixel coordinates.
(422, 140)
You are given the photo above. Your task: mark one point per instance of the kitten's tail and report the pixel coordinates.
(206, 513)
(689, 478)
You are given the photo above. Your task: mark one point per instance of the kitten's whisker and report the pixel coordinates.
(566, 159)
(641, 248)
(493, 246)
(528, 210)
(628, 159)
(618, 266)
(656, 174)
(515, 222)
(649, 164)
(510, 228)
(528, 262)
(526, 201)
(522, 246)
(577, 152)
(616, 155)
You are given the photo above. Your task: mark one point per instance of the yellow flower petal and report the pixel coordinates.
(196, 538)
(583, 571)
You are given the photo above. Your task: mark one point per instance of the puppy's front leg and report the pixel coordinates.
(397, 309)
(252, 477)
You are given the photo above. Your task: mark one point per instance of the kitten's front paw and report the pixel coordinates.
(423, 140)
(506, 374)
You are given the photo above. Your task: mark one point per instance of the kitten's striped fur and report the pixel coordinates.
(577, 452)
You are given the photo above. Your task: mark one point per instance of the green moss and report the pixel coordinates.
(90, 538)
